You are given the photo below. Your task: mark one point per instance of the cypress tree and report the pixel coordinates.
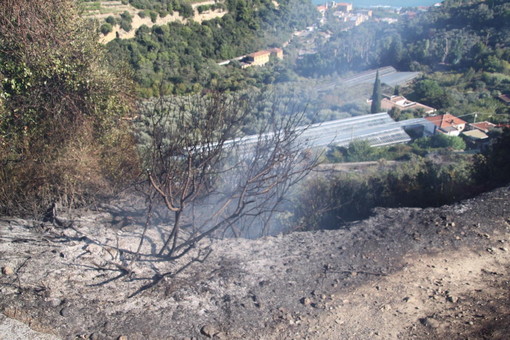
(376, 95)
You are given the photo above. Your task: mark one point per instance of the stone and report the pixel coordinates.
(305, 301)
(65, 312)
(221, 336)
(430, 322)
(122, 337)
(94, 248)
(55, 302)
(7, 270)
(452, 299)
(209, 331)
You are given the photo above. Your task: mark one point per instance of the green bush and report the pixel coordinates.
(154, 16)
(111, 20)
(440, 140)
(61, 102)
(331, 202)
(106, 28)
(126, 25)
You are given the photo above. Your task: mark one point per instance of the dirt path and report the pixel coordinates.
(463, 291)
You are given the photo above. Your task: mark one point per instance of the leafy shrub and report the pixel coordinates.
(126, 25)
(111, 20)
(106, 28)
(440, 140)
(332, 202)
(154, 16)
(61, 137)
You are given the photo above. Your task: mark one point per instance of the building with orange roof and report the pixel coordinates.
(276, 52)
(258, 58)
(447, 124)
(322, 9)
(343, 6)
(482, 126)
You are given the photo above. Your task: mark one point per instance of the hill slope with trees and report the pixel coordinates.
(184, 56)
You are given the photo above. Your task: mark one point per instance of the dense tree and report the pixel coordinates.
(376, 95)
(179, 53)
(429, 92)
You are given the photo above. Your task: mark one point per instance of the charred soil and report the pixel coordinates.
(401, 274)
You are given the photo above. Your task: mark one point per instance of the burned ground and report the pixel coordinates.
(401, 274)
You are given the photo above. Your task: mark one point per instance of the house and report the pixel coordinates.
(343, 6)
(258, 58)
(322, 9)
(505, 98)
(476, 138)
(276, 52)
(401, 103)
(447, 124)
(482, 126)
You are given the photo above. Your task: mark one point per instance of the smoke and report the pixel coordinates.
(211, 178)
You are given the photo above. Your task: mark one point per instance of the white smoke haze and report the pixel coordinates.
(211, 181)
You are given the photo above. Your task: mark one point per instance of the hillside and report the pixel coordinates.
(101, 10)
(403, 273)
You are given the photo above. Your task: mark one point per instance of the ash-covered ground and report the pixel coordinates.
(402, 274)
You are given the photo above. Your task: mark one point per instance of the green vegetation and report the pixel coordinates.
(181, 58)
(164, 7)
(330, 202)
(106, 28)
(440, 141)
(466, 44)
(376, 95)
(61, 101)
(429, 175)
(61, 137)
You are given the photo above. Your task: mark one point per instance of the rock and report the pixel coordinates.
(122, 337)
(305, 301)
(209, 331)
(7, 270)
(94, 248)
(386, 307)
(55, 302)
(65, 312)
(221, 336)
(429, 322)
(452, 299)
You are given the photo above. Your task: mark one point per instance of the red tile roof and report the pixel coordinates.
(260, 53)
(505, 98)
(445, 121)
(483, 126)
